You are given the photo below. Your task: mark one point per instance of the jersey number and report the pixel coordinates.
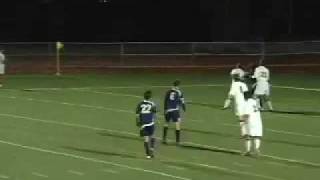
(146, 108)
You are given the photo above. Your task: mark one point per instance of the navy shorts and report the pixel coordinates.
(173, 116)
(147, 131)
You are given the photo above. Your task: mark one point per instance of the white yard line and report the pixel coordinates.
(75, 172)
(93, 160)
(39, 175)
(297, 88)
(136, 135)
(242, 164)
(279, 131)
(240, 172)
(110, 171)
(176, 167)
(4, 176)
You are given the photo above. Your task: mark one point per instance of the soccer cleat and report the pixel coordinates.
(246, 153)
(258, 153)
(164, 142)
(148, 157)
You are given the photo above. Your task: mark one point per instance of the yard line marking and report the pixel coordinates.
(4, 176)
(240, 172)
(241, 164)
(68, 104)
(297, 88)
(39, 175)
(93, 160)
(279, 131)
(75, 172)
(279, 164)
(176, 167)
(110, 171)
(263, 155)
(136, 135)
(111, 93)
(66, 124)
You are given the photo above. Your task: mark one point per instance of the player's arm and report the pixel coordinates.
(183, 104)
(138, 111)
(165, 101)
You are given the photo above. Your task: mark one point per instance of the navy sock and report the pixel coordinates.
(177, 136)
(165, 131)
(146, 147)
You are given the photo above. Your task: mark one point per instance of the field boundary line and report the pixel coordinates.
(4, 176)
(136, 135)
(75, 172)
(39, 175)
(154, 86)
(92, 160)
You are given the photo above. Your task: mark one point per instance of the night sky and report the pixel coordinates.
(159, 20)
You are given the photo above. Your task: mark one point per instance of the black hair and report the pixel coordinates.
(177, 82)
(147, 95)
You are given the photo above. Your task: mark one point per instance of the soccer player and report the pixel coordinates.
(239, 72)
(236, 93)
(262, 89)
(173, 103)
(254, 124)
(145, 120)
(2, 67)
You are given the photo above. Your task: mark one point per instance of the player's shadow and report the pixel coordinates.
(307, 113)
(105, 153)
(213, 106)
(209, 133)
(119, 136)
(292, 143)
(211, 149)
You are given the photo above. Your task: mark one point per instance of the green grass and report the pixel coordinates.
(71, 133)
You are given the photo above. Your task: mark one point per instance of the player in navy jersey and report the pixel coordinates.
(145, 120)
(173, 103)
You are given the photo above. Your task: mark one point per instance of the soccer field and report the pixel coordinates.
(83, 127)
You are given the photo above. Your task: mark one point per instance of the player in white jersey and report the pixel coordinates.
(254, 124)
(262, 89)
(239, 72)
(237, 95)
(2, 67)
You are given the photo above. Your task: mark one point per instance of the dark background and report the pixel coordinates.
(159, 20)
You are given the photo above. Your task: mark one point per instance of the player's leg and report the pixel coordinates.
(177, 120)
(245, 136)
(1, 74)
(152, 140)
(268, 99)
(146, 146)
(167, 118)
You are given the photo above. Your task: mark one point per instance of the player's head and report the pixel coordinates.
(176, 83)
(236, 77)
(147, 95)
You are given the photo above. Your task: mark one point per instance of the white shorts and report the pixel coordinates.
(244, 129)
(262, 88)
(255, 127)
(2, 69)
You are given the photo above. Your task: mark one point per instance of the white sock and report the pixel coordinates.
(248, 145)
(269, 105)
(257, 143)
